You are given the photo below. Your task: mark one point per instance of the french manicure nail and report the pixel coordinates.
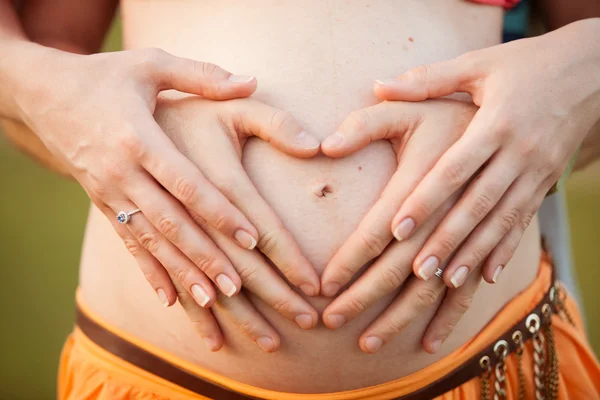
(497, 272)
(373, 343)
(240, 78)
(428, 268)
(459, 276)
(404, 229)
(330, 289)
(334, 140)
(162, 297)
(226, 285)
(304, 321)
(200, 295)
(307, 141)
(245, 239)
(334, 321)
(386, 82)
(265, 343)
(435, 346)
(210, 343)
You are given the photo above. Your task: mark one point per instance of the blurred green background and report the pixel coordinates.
(42, 218)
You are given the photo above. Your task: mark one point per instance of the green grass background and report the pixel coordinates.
(42, 218)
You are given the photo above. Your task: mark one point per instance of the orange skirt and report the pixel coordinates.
(87, 371)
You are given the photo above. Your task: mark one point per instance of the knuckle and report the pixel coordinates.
(249, 276)
(207, 263)
(359, 119)
(419, 73)
(527, 149)
(207, 69)
(132, 145)
(392, 277)
(246, 327)
(151, 276)
(462, 303)
(133, 246)
(453, 173)
(373, 242)
(446, 243)
(396, 325)
(356, 305)
(186, 190)
(222, 222)
(181, 275)
(481, 206)
(169, 227)
(279, 119)
(509, 219)
(268, 241)
(150, 241)
(477, 256)
(115, 172)
(424, 298)
(281, 305)
(146, 60)
(526, 220)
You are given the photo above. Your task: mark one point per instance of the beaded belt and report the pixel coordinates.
(488, 364)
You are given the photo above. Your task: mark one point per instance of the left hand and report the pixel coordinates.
(538, 100)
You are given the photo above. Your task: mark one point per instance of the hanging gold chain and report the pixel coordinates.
(517, 338)
(533, 324)
(552, 364)
(501, 351)
(558, 297)
(485, 364)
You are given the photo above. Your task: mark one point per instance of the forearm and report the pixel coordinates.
(590, 148)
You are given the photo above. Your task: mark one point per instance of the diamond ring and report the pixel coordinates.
(124, 217)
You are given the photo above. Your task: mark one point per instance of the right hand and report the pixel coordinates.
(95, 113)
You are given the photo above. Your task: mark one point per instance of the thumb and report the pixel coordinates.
(201, 78)
(429, 81)
(278, 128)
(385, 120)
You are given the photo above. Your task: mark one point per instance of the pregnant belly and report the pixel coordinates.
(316, 59)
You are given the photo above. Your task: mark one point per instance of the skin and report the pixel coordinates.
(240, 316)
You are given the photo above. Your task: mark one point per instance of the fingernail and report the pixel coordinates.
(334, 321)
(307, 141)
(308, 289)
(200, 295)
(497, 273)
(435, 346)
(245, 239)
(304, 321)
(459, 276)
(162, 297)
(333, 140)
(210, 343)
(240, 78)
(404, 228)
(226, 285)
(428, 267)
(330, 289)
(265, 343)
(373, 343)
(386, 82)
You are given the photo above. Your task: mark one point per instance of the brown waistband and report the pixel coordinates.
(174, 374)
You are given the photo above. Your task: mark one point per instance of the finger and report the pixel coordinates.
(277, 127)
(179, 267)
(248, 320)
(383, 121)
(478, 200)
(504, 251)
(386, 275)
(433, 80)
(183, 180)
(449, 174)
(176, 226)
(515, 207)
(415, 299)
(153, 271)
(197, 77)
(455, 304)
(202, 319)
(263, 281)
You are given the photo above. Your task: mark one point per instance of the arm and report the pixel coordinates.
(80, 31)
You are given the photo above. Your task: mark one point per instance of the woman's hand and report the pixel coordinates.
(212, 135)
(539, 99)
(419, 133)
(96, 114)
